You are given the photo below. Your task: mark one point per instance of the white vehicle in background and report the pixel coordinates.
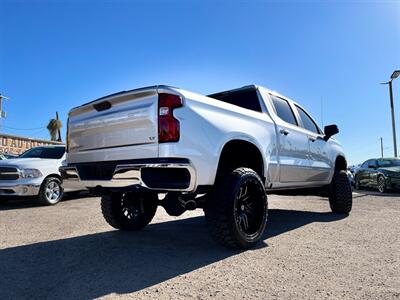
(34, 173)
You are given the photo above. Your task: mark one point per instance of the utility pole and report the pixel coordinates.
(382, 147)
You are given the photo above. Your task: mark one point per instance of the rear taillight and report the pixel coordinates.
(168, 126)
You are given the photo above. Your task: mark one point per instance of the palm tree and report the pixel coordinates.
(54, 127)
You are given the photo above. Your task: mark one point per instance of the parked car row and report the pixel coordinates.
(382, 174)
(34, 173)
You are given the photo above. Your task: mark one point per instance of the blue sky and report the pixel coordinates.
(55, 55)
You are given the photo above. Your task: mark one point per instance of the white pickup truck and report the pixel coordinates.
(220, 152)
(34, 173)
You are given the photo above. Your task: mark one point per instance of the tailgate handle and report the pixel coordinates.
(102, 106)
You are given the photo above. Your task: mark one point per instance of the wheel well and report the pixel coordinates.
(340, 163)
(52, 175)
(238, 153)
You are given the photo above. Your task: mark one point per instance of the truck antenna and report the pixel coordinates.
(322, 111)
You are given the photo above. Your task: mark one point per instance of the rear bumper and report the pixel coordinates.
(154, 174)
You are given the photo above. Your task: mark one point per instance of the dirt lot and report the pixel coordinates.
(68, 251)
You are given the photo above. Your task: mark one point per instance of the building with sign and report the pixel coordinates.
(17, 144)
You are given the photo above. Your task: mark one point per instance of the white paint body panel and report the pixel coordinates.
(206, 125)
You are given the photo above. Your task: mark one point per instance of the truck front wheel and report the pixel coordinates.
(236, 211)
(51, 191)
(340, 196)
(129, 211)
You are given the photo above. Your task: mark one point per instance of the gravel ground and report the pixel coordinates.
(68, 251)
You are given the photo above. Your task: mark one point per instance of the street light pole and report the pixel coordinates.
(394, 76)
(393, 119)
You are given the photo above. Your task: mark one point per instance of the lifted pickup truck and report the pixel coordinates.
(165, 146)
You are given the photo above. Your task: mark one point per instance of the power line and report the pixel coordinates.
(31, 134)
(15, 128)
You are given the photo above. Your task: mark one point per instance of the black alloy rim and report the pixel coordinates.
(250, 207)
(132, 206)
(381, 184)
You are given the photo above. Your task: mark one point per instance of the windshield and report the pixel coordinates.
(389, 163)
(44, 152)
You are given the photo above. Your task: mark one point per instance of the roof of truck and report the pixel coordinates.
(249, 87)
(246, 87)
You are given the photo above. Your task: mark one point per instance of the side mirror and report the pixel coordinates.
(371, 167)
(329, 131)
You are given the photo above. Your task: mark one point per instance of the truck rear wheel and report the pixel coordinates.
(236, 212)
(129, 211)
(340, 196)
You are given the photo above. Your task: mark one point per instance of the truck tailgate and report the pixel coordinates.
(124, 120)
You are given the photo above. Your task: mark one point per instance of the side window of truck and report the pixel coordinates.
(308, 123)
(283, 110)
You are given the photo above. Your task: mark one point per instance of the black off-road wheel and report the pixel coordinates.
(236, 211)
(51, 191)
(381, 184)
(129, 211)
(340, 196)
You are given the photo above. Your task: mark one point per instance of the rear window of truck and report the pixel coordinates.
(247, 98)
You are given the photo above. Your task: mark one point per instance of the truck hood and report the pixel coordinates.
(36, 163)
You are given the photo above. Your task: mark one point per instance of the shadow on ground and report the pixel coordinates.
(323, 193)
(8, 203)
(90, 266)
(371, 192)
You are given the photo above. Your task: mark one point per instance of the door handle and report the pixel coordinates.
(284, 131)
(312, 138)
